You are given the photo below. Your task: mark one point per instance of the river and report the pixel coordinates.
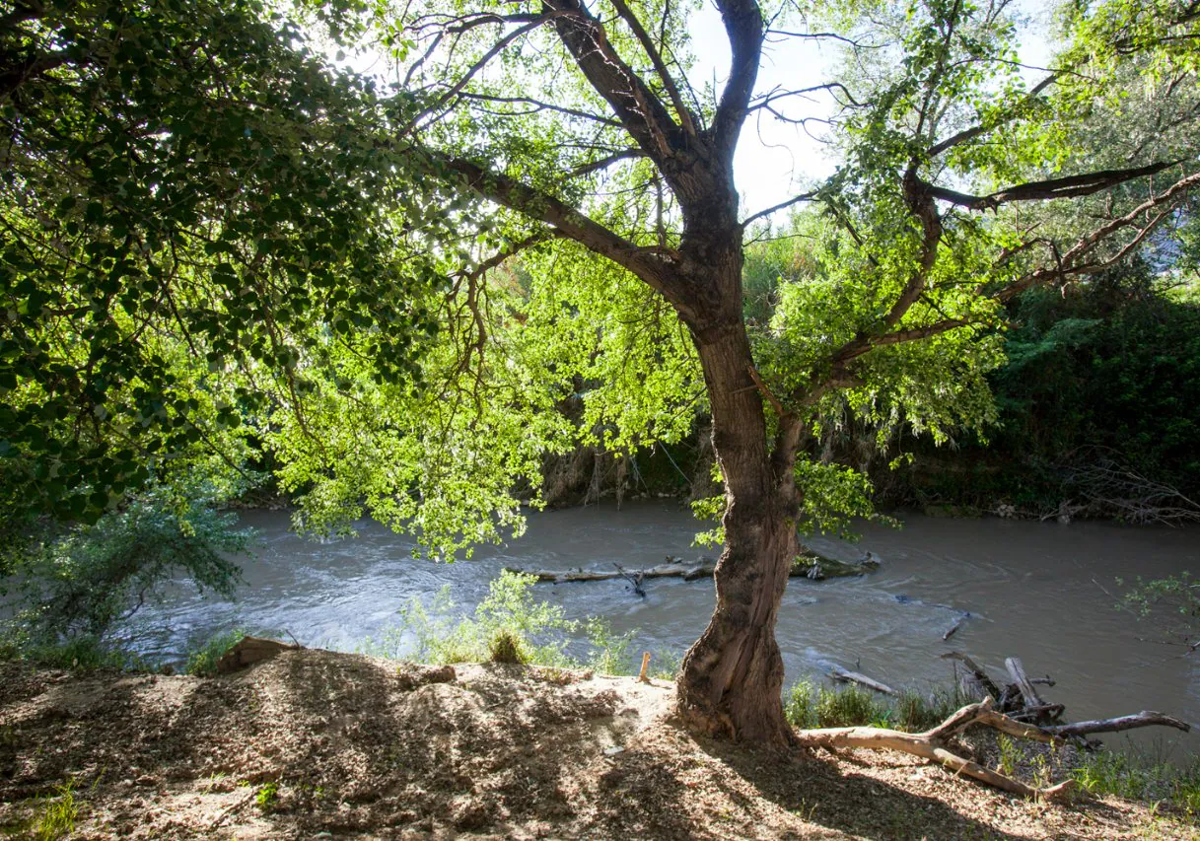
(1034, 590)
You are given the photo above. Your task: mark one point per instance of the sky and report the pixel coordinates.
(776, 160)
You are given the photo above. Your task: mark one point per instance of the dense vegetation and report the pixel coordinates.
(224, 260)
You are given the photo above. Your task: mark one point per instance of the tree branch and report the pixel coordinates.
(1071, 186)
(744, 27)
(685, 116)
(648, 264)
(975, 131)
(809, 196)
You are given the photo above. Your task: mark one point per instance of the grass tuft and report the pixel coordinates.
(506, 648)
(202, 661)
(57, 816)
(808, 704)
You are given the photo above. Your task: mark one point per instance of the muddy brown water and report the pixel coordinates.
(1034, 590)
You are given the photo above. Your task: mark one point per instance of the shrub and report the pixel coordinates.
(511, 625)
(538, 630)
(506, 648)
(202, 661)
(74, 585)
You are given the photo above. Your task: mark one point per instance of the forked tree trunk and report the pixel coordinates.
(731, 680)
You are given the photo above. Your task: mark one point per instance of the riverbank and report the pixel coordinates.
(317, 744)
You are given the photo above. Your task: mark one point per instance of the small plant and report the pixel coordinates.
(1010, 755)
(848, 707)
(506, 648)
(438, 635)
(202, 661)
(267, 795)
(610, 653)
(58, 814)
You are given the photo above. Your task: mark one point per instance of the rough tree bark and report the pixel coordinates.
(732, 678)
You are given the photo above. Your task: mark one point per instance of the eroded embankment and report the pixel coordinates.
(317, 744)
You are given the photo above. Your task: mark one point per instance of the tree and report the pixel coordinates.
(925, 235)
(569, 135)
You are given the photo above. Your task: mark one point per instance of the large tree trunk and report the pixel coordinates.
(731, 680)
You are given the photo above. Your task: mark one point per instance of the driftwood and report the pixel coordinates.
(250, 650)
(1146, 718)
(935, 745)
(846, 676)
(1016, 671)
(953, 629)
(816, 567)
(938, 743)
(977, 672)
(672, 569)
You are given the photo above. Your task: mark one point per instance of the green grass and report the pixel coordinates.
(808, 704)
(202, 661)
(1137, 774)
(57, 815)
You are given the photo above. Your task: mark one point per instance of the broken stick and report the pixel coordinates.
(845, 676)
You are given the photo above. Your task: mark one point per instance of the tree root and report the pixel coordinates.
(934, 745)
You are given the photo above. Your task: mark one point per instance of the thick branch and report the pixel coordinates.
(744, 26)
(1072, 262)
(685, 116)
(645, 263)
(1146, 718)
(1071, 186)
(639, 110)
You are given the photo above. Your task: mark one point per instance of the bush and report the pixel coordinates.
(537, 630)
(73, 586)
(511, 625)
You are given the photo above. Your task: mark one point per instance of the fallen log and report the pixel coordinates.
(977, 672)
(815, 567)
(934, 745)
(1146, 718)
(846, 676)
(1029, 695)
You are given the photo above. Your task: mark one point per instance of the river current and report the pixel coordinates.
(1044, 592)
